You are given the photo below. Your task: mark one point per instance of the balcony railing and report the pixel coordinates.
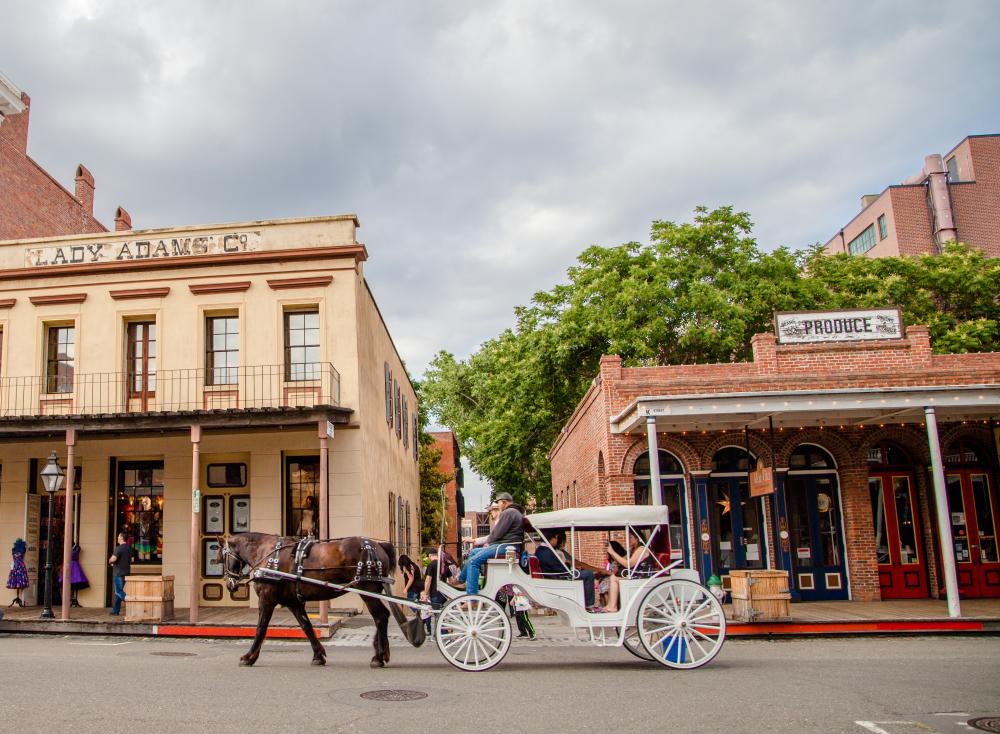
(195, 389)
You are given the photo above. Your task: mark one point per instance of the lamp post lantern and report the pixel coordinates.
(52, 479)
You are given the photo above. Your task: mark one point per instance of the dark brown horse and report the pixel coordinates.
(335, 561)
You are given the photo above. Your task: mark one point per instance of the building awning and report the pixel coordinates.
(803, 408)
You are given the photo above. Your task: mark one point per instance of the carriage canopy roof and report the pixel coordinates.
(612, 516)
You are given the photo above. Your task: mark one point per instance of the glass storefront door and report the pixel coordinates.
(736, 525)
(815, 535)
(972, 506)
(902, 568)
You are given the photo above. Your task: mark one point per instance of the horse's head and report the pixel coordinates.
(234, 567)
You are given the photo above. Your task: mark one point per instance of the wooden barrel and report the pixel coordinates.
(761, 596)
(149, 598)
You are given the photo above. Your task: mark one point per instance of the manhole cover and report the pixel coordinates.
(174, 654)
(986, 723)
(393, 695)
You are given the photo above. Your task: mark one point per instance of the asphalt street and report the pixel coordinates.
(556, 684)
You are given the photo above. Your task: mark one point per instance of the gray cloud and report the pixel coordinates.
(484, 146)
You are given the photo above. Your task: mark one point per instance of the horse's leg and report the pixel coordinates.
(319, 652)
(267, 604)
(381, 642)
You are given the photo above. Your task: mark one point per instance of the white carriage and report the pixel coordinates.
(669, 617)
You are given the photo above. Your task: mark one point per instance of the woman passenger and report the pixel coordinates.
(639, 561)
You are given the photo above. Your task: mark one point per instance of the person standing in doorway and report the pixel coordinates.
(121, 562)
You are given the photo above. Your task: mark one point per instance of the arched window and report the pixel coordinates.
(669, 464)
(808, 456)
(887, 454)
(733, 459)
(964, 453)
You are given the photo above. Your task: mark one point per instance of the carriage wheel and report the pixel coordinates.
(633, 644)
(473, 632)
(681, 624)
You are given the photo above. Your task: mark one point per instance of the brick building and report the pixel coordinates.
(955, 196)
(849, 429)
(451, 464)
(32, 202)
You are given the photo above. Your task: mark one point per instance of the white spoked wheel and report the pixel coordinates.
(473, 632)
(633, 644)
(681, 624)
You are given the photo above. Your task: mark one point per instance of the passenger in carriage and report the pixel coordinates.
(638, 560)
(554, 563)
(507, 532)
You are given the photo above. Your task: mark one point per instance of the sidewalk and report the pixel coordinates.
(212, 622)
(808, 619)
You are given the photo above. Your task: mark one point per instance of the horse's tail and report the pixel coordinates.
(390, 551)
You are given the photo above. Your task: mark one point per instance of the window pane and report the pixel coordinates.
(956, 508)
(985, 523)
(311, 320)
(878, 519)
(296, 338)
(908, 552)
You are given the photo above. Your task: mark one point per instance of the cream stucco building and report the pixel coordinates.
(198, 380)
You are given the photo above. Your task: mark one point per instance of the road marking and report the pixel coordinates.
(102, 644)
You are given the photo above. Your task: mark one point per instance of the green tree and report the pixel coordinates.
(696, 293)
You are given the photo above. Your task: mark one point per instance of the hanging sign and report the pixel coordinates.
(850, 325)
(762, 481)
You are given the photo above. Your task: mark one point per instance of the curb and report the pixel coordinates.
(131, 629)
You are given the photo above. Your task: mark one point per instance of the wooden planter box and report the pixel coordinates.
(149, 598)
(761, 596)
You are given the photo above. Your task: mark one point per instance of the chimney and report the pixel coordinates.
(85, 190)
(867, 200)
(939, 198)
(122, 220)
(14, 109)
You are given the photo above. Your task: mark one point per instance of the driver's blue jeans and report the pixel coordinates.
(470, 572)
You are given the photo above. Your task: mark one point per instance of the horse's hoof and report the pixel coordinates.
(319, 661)
(376, 663)
(244, 663)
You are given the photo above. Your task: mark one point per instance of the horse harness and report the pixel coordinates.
(369, 566)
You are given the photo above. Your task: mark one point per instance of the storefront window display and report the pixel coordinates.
(140, 509)
(302, 495)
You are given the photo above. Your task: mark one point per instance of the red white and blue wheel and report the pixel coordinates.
(681, 624)
(473, 632)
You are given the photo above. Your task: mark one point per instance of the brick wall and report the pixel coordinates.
(976, 204)
(586, 442)
(33, 203)
(449, 463)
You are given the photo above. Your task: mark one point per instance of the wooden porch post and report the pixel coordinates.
(67, 584)
(195, 514)
(324, 503)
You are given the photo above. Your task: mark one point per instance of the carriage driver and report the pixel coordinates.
(508, 531)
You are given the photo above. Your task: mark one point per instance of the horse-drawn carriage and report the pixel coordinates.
(664, 615)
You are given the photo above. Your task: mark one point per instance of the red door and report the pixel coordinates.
(902, 568)
(972, 504)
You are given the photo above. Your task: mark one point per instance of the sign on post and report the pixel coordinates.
(329, 429)
(762, 481)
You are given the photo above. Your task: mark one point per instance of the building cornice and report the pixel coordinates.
(357, 252)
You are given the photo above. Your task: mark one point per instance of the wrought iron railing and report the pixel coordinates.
(221, 388)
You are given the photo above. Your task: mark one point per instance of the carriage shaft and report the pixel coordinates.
(270, 574)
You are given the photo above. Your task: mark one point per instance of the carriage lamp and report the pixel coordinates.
(52, 479)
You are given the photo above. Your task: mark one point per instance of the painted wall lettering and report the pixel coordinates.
(214, 244)
(838, 326)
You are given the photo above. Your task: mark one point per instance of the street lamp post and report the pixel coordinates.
(52, 479)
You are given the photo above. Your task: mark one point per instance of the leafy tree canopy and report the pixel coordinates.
(431, 479)
(696, 293)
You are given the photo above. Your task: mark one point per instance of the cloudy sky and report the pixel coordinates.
(485, 144)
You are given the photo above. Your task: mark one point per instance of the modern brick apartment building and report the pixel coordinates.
(32, 202)
(955, 197)
(451, 464)
(852, 511)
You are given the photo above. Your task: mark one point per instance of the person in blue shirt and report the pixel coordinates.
(555, 565)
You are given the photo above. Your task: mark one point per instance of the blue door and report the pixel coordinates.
(814, 527)
(736, 525)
